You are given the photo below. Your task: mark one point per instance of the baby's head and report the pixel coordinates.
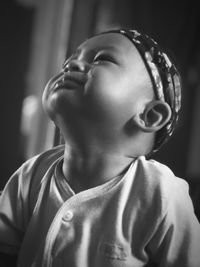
(165, 79)
(117, 86)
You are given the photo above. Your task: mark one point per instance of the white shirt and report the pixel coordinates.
(146, 215)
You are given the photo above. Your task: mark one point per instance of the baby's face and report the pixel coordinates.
(103, 83)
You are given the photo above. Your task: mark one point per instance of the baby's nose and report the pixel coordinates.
(77, 65)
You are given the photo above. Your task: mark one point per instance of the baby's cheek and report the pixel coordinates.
(103, 109)
(102, 88)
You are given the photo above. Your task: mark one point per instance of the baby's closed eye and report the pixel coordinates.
(104, 57)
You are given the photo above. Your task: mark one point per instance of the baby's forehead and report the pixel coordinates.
(114, 42)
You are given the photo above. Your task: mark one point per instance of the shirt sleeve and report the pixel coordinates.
(177, 239)
(14, 209)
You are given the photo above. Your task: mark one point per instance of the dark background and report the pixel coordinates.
(15, 36)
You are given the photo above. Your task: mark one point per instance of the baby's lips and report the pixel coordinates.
(75, 76)
(69, 78)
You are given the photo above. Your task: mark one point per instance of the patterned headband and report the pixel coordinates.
(164, 76)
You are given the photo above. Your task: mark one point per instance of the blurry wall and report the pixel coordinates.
(15, 38)
(31, 33)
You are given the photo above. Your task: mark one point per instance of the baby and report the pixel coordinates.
(96, 200)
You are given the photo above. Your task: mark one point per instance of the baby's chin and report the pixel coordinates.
(64, 105)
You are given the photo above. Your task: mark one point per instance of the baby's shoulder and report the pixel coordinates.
(32, 171)
(36, 172)
(42, 161)
(160, 184)
(159, 175)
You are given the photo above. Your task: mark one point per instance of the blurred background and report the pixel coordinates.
(37, 35)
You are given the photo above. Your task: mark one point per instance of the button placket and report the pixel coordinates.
(66, 214)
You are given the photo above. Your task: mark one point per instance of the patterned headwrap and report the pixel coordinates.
(164, 76)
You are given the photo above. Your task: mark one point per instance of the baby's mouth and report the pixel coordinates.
(71, 81)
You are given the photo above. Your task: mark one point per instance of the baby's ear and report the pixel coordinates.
(155, 115)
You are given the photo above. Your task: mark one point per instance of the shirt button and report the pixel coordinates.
(68, 216)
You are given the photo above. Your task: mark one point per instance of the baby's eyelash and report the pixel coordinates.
(104, 57)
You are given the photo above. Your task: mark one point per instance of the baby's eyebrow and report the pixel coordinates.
(109, 48)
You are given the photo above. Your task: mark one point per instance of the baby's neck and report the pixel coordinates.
(92, 169)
